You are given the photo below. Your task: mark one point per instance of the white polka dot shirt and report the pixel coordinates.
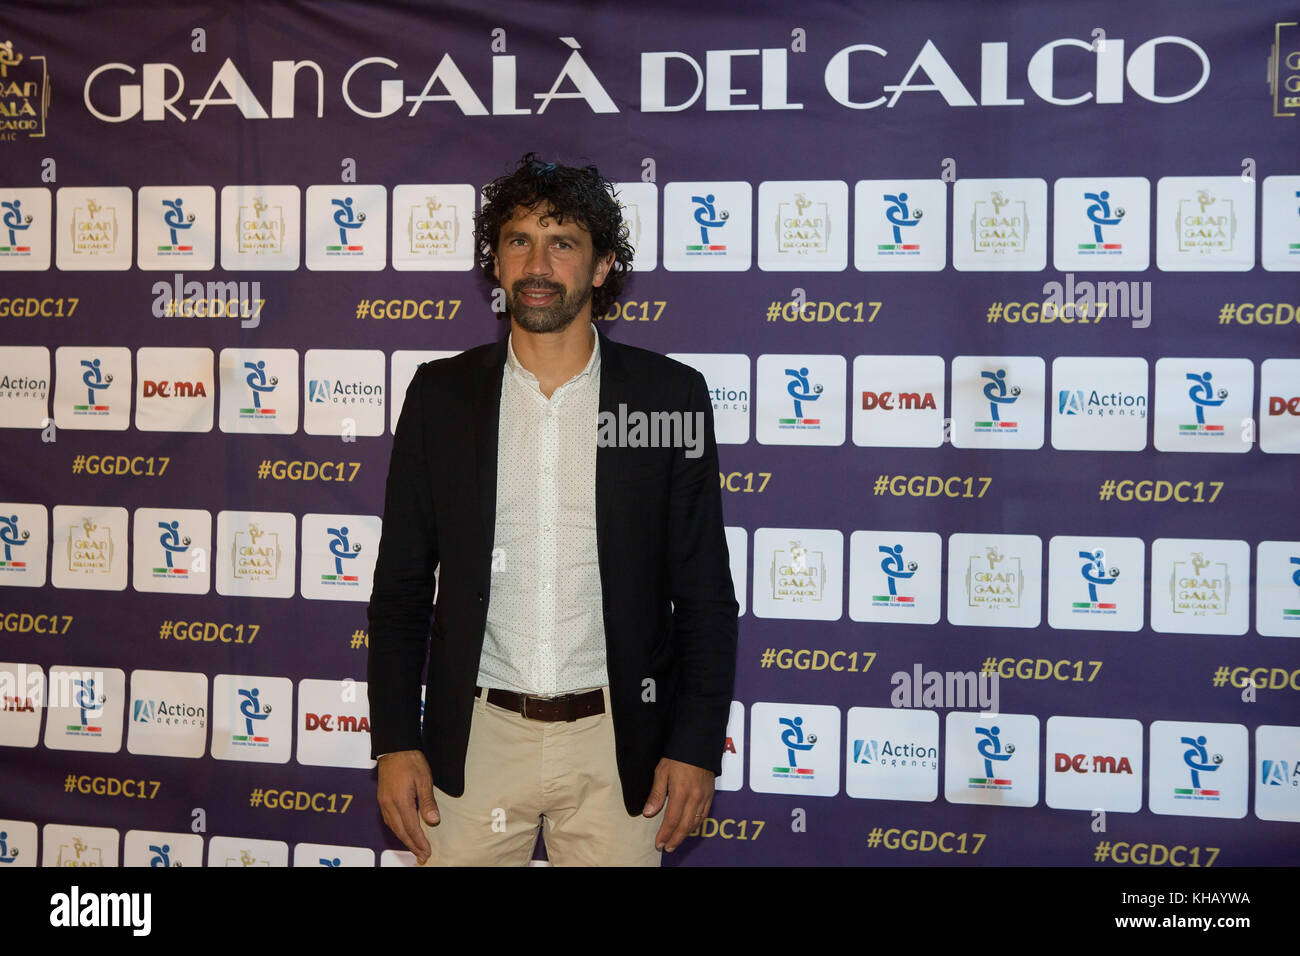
(545, 625)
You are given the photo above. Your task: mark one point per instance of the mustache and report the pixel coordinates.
(536, 285)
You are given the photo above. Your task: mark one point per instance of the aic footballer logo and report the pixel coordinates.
(1201, 768)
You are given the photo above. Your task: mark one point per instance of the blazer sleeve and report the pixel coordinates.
(401, 600)
(704, 599)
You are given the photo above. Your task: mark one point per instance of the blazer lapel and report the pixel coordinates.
(613, 384)
(486, 419)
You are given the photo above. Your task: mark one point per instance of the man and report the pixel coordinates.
(582, 652)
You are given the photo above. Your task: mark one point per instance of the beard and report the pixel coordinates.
(554, 317)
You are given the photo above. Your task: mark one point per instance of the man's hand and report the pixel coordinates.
(689, 791)
(405, 788)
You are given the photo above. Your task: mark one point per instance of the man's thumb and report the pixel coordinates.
(424, 800)
(658, 791)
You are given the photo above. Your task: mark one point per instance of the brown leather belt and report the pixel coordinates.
(566, 707)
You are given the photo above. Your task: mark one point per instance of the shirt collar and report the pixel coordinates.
(592, 366)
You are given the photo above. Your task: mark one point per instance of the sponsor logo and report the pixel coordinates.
(892, 753)
(798, 575)
(1100, 214)
(1000, 398)
(162, 714)
(1096, 575)
(90, 548)
(1199, 586)
(1100, 763)
(256, 554)
(994, 753)
(24, 94)
(1206, 223)
(1199, 762)
(1091, 402)
(798, 747)
(994, 580)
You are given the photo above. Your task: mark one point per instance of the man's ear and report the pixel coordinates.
(602, 270)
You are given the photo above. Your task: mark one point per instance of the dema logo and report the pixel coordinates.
(1099, 763)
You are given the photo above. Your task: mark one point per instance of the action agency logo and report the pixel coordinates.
(174, 547)
(19, 387)
(260, 227)
(892, 753)
(1279, 773)
(995, 753)
(1284, 69)
(712, 223)
(895, 572)
(994, 580)
(804, 394)
(999, 396)
(1096, 576)
(348, 220)
(252, 712)
(255, 554)
(432, 228)
(1199, 762)
(97, 382)
(798, 748)
(13, 224)
(12, 539)
(1205, 223)
(24, 94)
(1101, 215)
(89, 703)
(1203, 396)
(334, 391)
(727, 398)
(797, 575)
(1091, 402)
(90, 547)
(343, 552)
(260, 388)
(999, 225)
(1200, 587)
(160, 713)
(94, 228)
(79, 853)
(802, 226)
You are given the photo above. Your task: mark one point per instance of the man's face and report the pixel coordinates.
(548, 269)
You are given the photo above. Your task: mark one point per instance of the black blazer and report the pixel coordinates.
(669, 605)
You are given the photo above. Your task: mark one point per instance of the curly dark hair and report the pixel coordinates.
(570, 193)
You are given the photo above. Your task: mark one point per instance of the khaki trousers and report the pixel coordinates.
(524, 774)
